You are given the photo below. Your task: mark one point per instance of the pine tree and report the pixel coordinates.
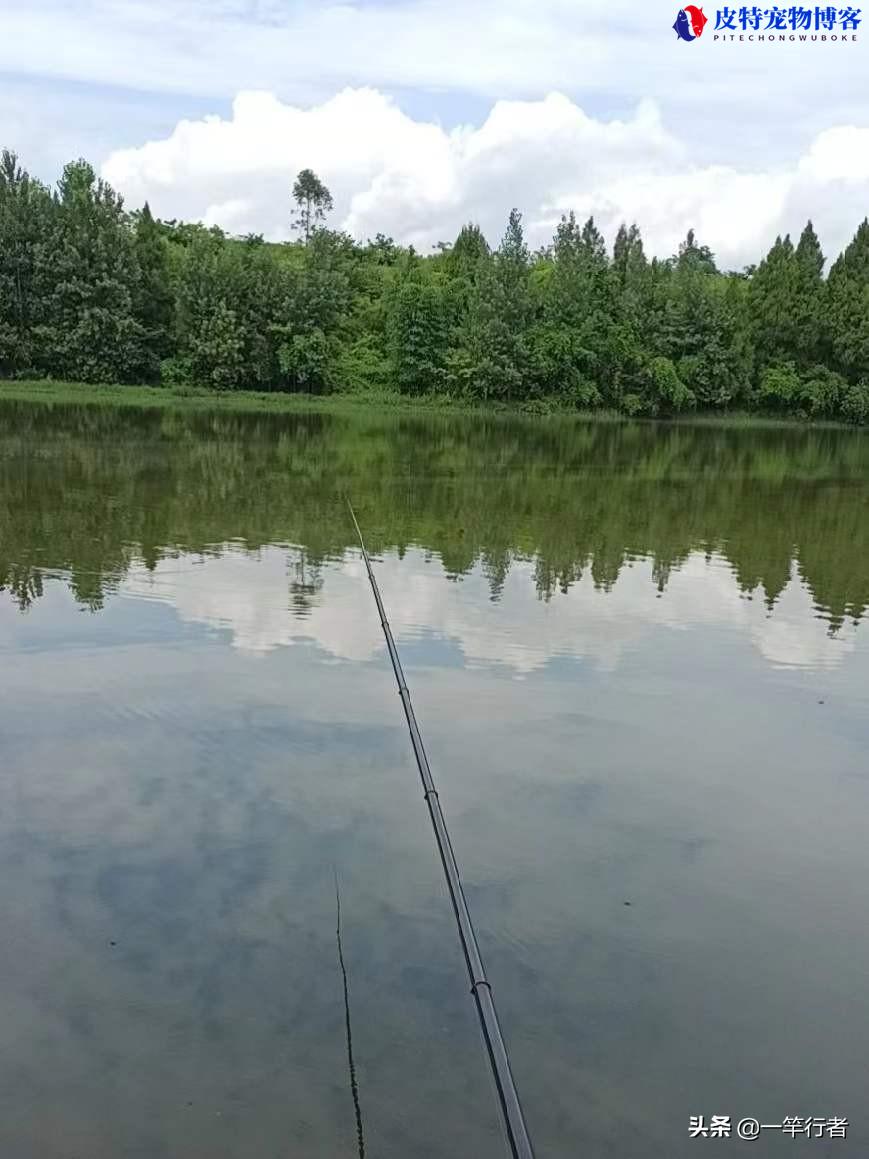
(808, 303)
(468, 251)
(629, 260)
(154, 302)
(574, 345)
(848, 307)
(695, 323)
(594, 245)
(772, 292)
(25, 211)
(418, 329)
(490, 349)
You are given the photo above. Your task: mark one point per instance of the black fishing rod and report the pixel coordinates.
(508, 1096)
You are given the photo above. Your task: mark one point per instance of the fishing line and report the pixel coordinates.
(354, 1086)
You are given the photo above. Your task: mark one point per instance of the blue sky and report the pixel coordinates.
(726, 137)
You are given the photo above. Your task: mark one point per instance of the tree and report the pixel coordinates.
(492, 358)
(230, 298)
(316, 316)
(88, 278)
(771, 296)
(89, 291)
(629, 261)
(313, 201)
(154, 302)
(697, 321)
(694, 256)
(418, 331)
(808, 302)
(593, 244)
(25, 212)
(468, 252)
(572, 327)
(848, 307)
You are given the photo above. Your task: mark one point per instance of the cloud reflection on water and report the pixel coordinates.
(248, 595)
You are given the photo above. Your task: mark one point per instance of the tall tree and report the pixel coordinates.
(468, 252)
(154, 302)
(25, 223)
(808, 305)
(493, 341)
(848, 306)
(771, 298)
(696, 322)
(418, 330)
(629, 260)
(88, 276)
(313, 201)
(318, 312)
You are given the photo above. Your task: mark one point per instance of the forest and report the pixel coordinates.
(90, 292)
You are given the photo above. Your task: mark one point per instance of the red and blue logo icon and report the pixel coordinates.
(690, 22)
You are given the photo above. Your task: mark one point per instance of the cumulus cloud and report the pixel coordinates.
(136, 64)
(247, 595)
(418, 182)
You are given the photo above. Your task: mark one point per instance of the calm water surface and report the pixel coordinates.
(639, 659)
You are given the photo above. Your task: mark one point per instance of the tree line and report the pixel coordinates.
(93, 293)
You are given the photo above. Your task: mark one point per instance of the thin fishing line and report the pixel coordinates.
(354, 1086)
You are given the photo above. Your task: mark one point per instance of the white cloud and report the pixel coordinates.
(418, 182)
(307, 48)
(247, 594)
(840, 154)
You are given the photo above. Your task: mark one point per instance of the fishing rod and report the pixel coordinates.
(508, 1096)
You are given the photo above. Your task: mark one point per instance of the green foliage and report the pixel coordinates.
(87, 276)
(855, 403)
(304, 359)
(822, 392)
(468, 252)
(155, 306)
(848, 307)
(418, 331)
(91, 293)
(667, 391)
(780, 388)
(25, 209)
(228, 297)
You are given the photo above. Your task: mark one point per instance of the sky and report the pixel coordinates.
(420, 116)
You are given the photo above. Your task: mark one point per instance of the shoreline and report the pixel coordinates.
(56, 392)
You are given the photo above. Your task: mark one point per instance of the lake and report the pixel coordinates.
(639, 658)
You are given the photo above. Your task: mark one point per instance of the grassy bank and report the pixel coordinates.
(50, 391)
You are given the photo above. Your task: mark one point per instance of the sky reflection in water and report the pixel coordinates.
(184, 764)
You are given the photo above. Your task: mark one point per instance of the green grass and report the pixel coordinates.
(50, 391)
(188, 398)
